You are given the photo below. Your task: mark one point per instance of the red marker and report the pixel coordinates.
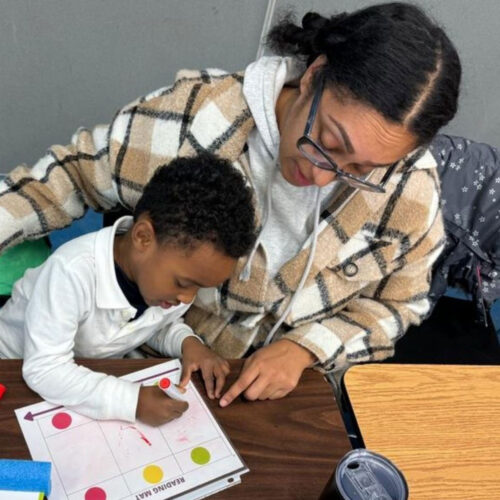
(2, 390)
(170, 389)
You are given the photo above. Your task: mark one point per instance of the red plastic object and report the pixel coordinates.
(2, 390)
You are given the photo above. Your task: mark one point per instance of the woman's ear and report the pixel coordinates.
(306, 81)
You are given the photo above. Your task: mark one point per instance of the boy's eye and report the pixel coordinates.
(185, 285)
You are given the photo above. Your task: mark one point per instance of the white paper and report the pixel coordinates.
(189, 457)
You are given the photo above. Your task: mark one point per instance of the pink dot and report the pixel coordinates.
(95, 494)
(61, 420)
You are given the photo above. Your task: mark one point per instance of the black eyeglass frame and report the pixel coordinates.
(346, 177)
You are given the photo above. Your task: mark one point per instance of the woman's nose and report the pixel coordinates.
(322, 177)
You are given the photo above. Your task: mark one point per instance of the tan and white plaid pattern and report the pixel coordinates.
(374, 254)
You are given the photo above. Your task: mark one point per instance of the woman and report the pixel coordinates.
(332, 140)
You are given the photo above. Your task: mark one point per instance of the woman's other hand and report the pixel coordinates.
(271, 372)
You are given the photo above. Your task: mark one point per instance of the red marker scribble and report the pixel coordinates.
(141, 435)
(144, 438)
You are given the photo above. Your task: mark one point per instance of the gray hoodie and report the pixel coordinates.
(287, 210)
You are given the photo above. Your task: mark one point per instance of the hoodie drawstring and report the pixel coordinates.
(245, 272)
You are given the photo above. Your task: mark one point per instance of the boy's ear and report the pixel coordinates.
(143, 234)
(306, 80)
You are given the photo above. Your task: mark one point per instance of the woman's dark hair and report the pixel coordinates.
(200, 199)
(389, 56)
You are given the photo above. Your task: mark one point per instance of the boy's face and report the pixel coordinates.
(168, 275)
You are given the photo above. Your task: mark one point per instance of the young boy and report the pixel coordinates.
(106, 293)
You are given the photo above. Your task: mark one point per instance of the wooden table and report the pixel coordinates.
(291, 445)
(440, 424)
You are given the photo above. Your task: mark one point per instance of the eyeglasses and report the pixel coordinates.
(317, 155)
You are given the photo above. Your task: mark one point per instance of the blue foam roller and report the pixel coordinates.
(24, 475)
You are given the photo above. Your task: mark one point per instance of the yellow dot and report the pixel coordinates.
(152, 474)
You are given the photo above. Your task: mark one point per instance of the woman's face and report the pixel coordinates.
(356, 137)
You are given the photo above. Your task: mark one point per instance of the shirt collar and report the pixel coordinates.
(108, 293)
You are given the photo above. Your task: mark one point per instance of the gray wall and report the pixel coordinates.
(472, 25)
(71, 63)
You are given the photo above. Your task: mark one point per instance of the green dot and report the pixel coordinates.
(200, 455)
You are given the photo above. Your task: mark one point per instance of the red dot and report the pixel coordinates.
(95, 494)
(61, 420)
(165, 383)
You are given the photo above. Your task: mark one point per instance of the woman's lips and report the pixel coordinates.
(302, 180)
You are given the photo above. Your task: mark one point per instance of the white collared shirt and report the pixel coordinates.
(72, 306)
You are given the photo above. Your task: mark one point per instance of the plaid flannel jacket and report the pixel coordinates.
(371, 270)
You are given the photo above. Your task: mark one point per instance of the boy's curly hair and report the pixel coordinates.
(200, 199)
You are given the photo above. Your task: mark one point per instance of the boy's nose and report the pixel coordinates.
(186, 297)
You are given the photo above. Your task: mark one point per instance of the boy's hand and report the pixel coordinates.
(196, 356)
(156, 408)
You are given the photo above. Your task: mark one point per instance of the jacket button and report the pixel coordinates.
(350, 269)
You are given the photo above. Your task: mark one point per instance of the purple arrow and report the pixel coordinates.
(30, 416)
(158, 374)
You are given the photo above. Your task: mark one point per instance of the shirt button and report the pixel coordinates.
(350, 269)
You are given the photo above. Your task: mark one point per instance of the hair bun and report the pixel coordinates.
(312, 21)
(324, 32)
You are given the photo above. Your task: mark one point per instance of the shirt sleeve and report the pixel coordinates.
(58, 188)
(61, 299)
(68, 179)
(168, 341)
